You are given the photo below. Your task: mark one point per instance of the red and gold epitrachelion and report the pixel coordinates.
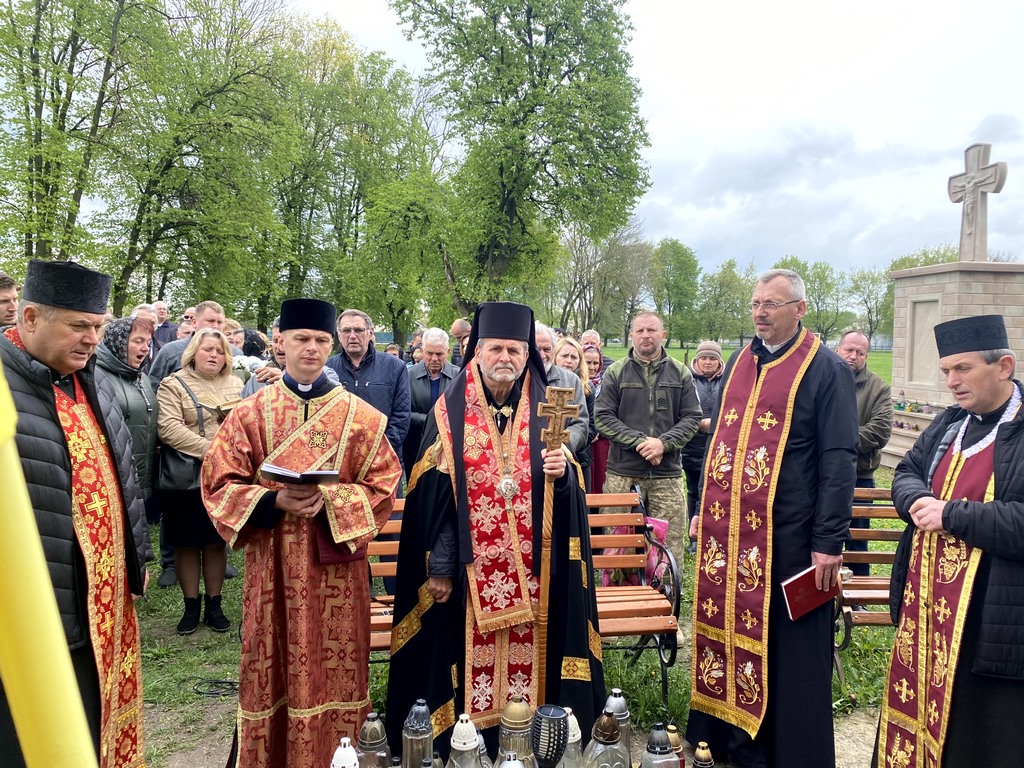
(733, 587)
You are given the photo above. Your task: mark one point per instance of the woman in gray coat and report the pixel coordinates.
(120, 356)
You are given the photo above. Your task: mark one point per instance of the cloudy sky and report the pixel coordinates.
(825, 129)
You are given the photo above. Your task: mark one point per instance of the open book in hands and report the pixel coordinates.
(282, 475)
(221, 409)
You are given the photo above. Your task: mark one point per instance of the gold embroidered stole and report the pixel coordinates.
(98, 518)
(500, 609)
(322, 442)
(940, 578)
(733, 589)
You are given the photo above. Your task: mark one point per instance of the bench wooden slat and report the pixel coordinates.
(871, 618)
(605, 500)
(865, 596)
(875, 534)
(872, 494)
(622, 540)
(871, 556)
(598, 520)
(877, 512)
(649, 625)
(604, 562)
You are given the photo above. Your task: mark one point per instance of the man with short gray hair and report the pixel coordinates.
(165, 330)
(776, 492)
(427, 380)
(381, 380)
(76, 455)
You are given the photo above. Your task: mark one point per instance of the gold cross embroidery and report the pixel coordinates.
(767, 420)
(128, 662)
(933, 712)
(709, 607)
(97, 505)
(904, 691)
(731, 416)
(318, 440)
(105, 565)
(717, 511)
(749, 619)
(941, 611)
(753, 520)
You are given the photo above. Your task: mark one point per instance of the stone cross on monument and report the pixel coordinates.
(972, 188)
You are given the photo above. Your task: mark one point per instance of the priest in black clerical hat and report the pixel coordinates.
(310, 314)
(66, 285)
(971, 334)
(76, 456)
(307, 327)
(957, 588)
(467, 638)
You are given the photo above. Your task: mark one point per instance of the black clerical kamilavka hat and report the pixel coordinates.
(971, 334)
(503, 320)
(67, 285)
(506, 320)
(308, 314)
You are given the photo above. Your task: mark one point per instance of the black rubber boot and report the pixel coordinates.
(213, 616)
(190, 620)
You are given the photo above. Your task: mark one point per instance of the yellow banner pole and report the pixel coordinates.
(34, 661)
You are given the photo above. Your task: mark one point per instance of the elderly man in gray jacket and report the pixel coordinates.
(427, 380)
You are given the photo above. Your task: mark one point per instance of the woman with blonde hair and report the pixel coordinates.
(189, 415)
(568, 354)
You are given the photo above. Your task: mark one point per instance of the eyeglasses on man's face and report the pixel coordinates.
(771, 306)
(350, 331)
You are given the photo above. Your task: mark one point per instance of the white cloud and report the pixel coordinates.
(826, 130)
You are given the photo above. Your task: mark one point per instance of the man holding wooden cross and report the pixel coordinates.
(495, 532)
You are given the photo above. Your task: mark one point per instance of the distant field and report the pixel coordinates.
(878, 362)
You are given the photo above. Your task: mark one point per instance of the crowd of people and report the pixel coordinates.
(292, 448)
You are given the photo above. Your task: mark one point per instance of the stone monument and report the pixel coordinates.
(926, 296)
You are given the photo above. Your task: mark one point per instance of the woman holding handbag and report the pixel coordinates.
(189, 403)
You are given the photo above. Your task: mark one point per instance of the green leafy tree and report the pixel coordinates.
(722, 307)
(64, 79)
(869, 288)
(676, 277)
(543, 103)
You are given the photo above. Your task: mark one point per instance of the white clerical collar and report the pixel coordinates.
(304, 387)
(773, 348)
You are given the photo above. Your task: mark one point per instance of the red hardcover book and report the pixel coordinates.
(802, 596)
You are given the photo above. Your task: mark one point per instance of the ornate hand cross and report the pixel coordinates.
(557, 410)
(972, 188)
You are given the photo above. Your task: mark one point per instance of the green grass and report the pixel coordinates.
(178, 717)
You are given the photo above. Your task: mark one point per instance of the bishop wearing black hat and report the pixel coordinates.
(957, 595)
(305, 623)
(470, 562)
(77, 460)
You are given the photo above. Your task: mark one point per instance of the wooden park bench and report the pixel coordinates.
(864, 600)
(647, 614)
